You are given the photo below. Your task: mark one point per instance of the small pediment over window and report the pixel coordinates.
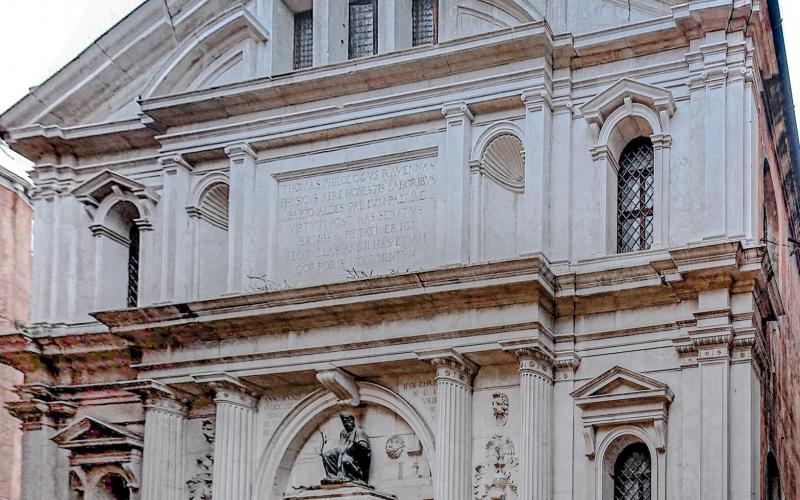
(89, 432)
(96, 189)
(626, 92)
(619, 385)
(623, 397)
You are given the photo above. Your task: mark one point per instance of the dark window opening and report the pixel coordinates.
(303, 39)
(115, 487)
(133, 267)
(773, 478)
(632, 473)
(425, 19)
(635, 196)
(363, 32)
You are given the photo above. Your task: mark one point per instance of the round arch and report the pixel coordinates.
(275, 463)
(111, 201)
(207, 182)
(627, 123)
(491, 133)
(608, 451)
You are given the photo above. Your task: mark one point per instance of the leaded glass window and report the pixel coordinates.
(424, 19)
(632, 473)
(363, 33)
(635, 196)
(133, 267)
(303, 39)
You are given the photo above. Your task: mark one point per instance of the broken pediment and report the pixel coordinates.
(90, 432)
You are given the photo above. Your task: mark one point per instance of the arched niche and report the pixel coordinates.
(208, 215)
(498, 178)
(320, 409)
(628, 110)
(229, 48)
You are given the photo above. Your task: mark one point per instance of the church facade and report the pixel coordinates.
(414, 249)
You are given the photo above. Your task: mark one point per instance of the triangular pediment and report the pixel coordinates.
(620, 381)
(90, 432)
(96, 189)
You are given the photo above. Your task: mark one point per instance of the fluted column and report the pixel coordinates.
(536, 414)
(44, 465)
(162, 470)
(233, 445)
(454, 375)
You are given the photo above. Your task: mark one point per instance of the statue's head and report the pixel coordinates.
(348, 420)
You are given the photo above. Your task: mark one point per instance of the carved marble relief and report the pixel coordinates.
(200, 484)
(379, 449)
(494, 478)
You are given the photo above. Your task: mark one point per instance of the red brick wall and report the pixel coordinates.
(15, 282)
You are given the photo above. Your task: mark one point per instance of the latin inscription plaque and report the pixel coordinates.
(356, 223)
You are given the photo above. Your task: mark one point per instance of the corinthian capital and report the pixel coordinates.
(450, 365)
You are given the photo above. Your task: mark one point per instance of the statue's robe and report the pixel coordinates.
(351, 460)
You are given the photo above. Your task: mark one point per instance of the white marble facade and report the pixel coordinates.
(426, 237)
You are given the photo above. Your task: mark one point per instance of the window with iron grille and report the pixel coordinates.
(635, 196)
(424, 16)
(363, 32)
(303, 39)
(632, 473)
(133, 267)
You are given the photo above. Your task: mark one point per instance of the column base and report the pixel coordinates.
(346, 491)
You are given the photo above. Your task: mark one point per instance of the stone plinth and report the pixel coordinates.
(340, 492)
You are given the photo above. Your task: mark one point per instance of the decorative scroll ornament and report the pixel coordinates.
(493, 480)
(504, 162)
(342, 384)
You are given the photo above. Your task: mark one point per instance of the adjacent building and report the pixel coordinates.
(16, 218)
(460, 249)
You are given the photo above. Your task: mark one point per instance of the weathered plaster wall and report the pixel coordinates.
(15, 275)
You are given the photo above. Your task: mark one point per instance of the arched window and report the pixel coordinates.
(133, 266)
(632, 473)
(773, 478)
(114, 487)
(118, 257)
(635, 194)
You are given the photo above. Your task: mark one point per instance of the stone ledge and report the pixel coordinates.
(343, 491)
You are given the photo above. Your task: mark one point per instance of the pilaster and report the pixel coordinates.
(241, 214)
(164, 447)
(563, 438)
(560, 232)
(708, 347)
(456, 185)
(45, 466)
(533, 220)
(175, 272)
(454, 374)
